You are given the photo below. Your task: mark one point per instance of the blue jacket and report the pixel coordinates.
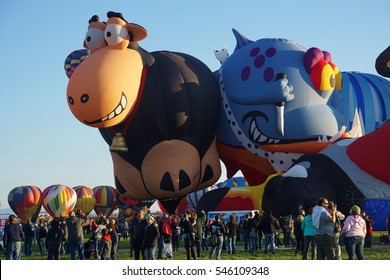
(307, 226)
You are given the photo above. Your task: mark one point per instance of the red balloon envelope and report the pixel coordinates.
(85, 199)
(58, 200)
(25, 201)
(106, 200)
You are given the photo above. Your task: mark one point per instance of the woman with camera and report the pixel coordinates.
(187, 224)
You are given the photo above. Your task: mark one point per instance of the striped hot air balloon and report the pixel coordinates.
(106, 200)
(25, 201)
(194, 197)
(85, 199)
(58, 200)
(367, 93)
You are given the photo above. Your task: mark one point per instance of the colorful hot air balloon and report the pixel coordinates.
(58, 200)
(234, 182)
(85, 199)
(25, 201)
(106, 200)
(194, 197)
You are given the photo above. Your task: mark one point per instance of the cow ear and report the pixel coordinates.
(136, 32)
(147, 57)
(241, 40)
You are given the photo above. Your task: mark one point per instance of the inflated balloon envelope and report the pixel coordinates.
(164, 104)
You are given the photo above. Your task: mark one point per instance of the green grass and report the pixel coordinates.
(377, 252)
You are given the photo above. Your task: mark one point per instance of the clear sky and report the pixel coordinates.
(42, 143)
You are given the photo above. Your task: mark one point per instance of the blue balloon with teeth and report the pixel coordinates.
(275, 104)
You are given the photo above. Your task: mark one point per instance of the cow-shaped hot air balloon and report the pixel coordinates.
(58, 200)
(163, 103)
(85, 199)
(25, 201)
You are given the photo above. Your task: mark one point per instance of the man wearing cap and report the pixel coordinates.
(355, 230)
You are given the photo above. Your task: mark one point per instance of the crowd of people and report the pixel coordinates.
(313, 235)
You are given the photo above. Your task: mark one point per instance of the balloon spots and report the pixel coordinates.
(258, 63)
(245, 73)
(268, 74)
(254, 52)
(270, 52)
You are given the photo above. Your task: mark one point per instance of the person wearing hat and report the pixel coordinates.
(151, 235)
(355, 230)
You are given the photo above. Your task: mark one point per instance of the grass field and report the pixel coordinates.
(377, 252)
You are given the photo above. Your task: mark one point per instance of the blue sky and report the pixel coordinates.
(42, 143)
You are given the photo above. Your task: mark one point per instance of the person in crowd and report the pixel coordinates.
(138, 235)
(337, 229)
(253, 224)
(355, 230)
(125, 230)
(12, 239)
(232, 230)
(222, 220)
(75, 226)
(130, 223)
(151, 235)
(114, 240)
(200, 220)
(260, 215)
(269, 226)
(54, 238)
(278, 242)
(64, 241)
(288, 229)
(204, 236)
(116, 227)
(42, 233)
(309, 233)
(105, 245)
(369, 235)
(218, 230)
(298, 233)
(246, 230)
(187, 224)
(175, 229)
(97, 234)
(241, 230)
(323, 221)
(28, 230)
